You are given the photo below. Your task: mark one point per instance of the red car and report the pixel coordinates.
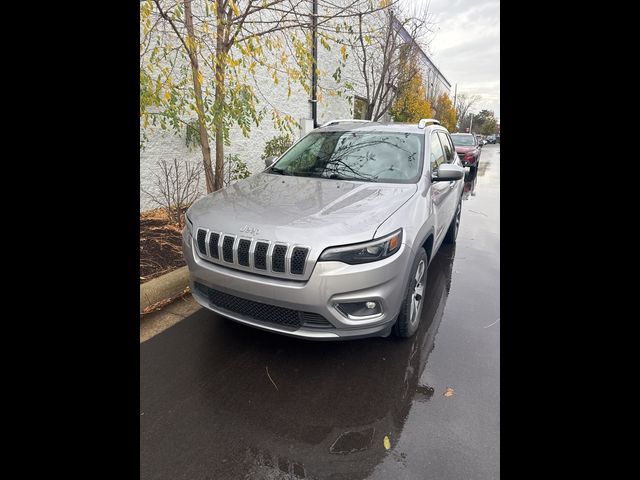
(467, 148)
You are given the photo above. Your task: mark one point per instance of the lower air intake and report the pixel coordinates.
(283, 317)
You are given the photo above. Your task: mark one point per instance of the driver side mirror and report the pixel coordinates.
(269, 161)
(447, 172)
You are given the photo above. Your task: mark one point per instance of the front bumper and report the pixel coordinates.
(469, 163)
(330, 283)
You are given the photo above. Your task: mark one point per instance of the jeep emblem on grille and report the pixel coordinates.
(250, 230)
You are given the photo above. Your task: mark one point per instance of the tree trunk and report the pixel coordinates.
(219, 130)
(197, 88)
(219, 96)
(369, 111)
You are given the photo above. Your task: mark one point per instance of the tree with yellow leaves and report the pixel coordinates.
(199, 58)
(411, 104)
(445, 112)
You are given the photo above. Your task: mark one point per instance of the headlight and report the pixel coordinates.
(188, 225)
(365, 252)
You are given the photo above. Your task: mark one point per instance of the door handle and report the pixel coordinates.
(452, 184)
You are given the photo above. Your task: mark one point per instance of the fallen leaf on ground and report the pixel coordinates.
(448, 392)
(386, 442)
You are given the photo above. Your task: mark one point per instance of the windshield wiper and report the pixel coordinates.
(336, 176)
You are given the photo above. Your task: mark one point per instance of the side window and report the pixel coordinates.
(448, 149)
(437, 154)
(454, 155)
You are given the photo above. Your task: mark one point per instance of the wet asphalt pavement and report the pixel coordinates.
(219, 400)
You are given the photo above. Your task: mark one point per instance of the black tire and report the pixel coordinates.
(454, 226)
(409, 317)
(474, 168)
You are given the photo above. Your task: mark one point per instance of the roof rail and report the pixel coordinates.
(424, 121)
(345, 120)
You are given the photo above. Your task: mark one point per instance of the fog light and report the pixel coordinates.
(360, 309)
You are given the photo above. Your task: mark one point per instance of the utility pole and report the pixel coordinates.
(471, 125)
(314, 64)
(455, 95)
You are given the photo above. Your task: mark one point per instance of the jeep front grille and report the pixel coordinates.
(259, 256)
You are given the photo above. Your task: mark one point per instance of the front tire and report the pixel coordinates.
(454, 226)
(409, 317)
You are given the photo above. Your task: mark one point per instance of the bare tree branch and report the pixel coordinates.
(175, 188)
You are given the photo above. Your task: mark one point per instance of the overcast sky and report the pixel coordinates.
(466, 48)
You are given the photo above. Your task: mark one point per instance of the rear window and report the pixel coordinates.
(463, 140)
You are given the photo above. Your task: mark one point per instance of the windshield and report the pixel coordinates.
(463, 140)
(393, 157)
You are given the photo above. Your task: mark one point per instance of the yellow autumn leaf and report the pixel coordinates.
(343, 51)
(167, 95)
(235, 8)
(386, 442)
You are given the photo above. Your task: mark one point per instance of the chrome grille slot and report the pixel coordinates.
(278, 258)
(243, 252)
(214, 239)
(260, 256)
(298, 258)
(202, 246)
(227, 249)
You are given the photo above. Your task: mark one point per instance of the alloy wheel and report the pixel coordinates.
(417, 294)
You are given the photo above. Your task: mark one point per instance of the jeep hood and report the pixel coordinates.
(311, 211)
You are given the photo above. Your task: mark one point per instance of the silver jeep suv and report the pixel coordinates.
(331, 241)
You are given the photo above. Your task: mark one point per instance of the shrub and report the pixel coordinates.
(277, 146)
(234, 169)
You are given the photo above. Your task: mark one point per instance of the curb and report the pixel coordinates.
(165, 287)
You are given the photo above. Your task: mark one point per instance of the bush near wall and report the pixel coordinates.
(276, 146)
